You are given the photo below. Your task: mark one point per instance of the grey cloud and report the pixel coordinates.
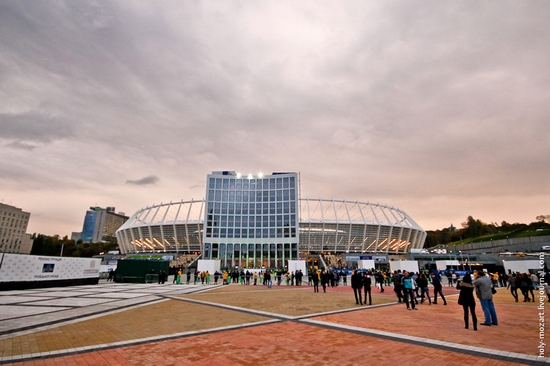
(368, 100)
(150, 179)
(33, 127)
(22, 146)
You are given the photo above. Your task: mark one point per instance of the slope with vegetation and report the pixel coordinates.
(473, 230)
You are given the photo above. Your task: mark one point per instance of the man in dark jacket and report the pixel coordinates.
(438, 287)
(397, 288)
(367, 281)
(357, 285)
(314, 276)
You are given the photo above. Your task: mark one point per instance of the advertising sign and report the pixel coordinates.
(19, 267)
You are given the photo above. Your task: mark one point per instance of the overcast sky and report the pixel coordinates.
(439, 108)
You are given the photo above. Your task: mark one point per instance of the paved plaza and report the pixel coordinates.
(151, 324)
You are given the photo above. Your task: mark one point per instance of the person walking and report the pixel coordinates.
(397, 288)
(467, 300)
(267, 278)
(422, 282)
(367, 282)
(438, 287)
(484, 293)
(314, 277)
(512, 284)
(324, 280)
(357, 285)
(409, 285)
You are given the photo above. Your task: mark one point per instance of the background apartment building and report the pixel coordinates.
(13, 230)
(101, 224)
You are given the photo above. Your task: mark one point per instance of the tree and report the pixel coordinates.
(51, 246)
(472, 227)
(543, 218)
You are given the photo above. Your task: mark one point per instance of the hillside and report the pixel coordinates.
(475, 230)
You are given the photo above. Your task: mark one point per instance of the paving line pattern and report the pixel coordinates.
(155, 296)
(455, 347)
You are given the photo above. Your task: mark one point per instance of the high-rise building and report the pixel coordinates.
(101, 224)
(252, 221)
(13, 230)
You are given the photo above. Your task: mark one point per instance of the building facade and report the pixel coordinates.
(13, 230)
(253, 221)
(101, 224)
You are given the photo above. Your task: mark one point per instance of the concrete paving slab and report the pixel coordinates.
(11, 311)
(58, 294)
(117, 295)
(70, 301)
(5, 300)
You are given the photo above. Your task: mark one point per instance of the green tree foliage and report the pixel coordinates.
(473, 228)
(51, 245)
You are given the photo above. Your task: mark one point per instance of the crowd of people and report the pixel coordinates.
(410, 288)
(242, 277)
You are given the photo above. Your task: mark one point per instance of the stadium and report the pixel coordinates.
(261, 221)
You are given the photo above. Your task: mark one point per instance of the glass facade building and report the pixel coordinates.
(254, 221)
(89, 225)
(101, 224)
(251, 221)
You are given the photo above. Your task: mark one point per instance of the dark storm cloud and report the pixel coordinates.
(150, 179)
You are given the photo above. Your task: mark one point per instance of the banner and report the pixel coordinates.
(20, 267)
